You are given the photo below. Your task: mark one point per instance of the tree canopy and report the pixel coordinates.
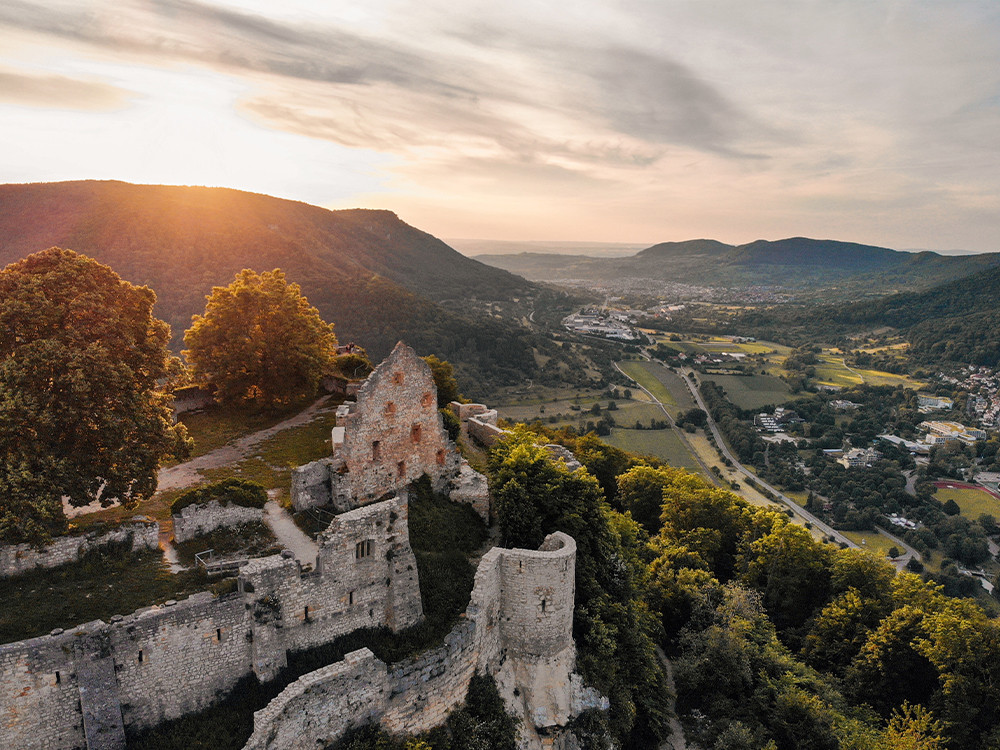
(444, 380)
(80, 413)
(260, 342)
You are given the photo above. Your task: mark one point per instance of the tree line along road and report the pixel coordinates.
(686, 375)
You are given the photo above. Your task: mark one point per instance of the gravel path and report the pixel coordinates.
(289, 535)
(676, 741)
(187, 473)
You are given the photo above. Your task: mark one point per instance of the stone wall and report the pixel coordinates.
(417, 694)
(319, 707)
(202, 518)
(191, 398)
(20, 558)
(366, 576)
(60, 690)
(484, 433)
(391, 436)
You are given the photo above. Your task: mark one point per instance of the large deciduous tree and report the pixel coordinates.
(80, 412)
(260, 342)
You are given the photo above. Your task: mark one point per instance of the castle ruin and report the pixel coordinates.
(386, 439)
(89, 686)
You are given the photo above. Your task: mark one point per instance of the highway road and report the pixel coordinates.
(797, 509)
(709, 474)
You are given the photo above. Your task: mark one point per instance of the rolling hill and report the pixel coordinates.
(377, 278)
(842, 268)
(958, 321)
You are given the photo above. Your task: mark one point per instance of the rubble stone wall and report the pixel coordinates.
(484, 433)
(203, 518)
(180, 657)
(20, 558)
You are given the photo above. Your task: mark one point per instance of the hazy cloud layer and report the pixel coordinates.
(59, 92)
(873, 121)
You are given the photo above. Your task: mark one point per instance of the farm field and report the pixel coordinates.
(665, 444)
(628, 412)
(972, 502)
(753, 391)
(648, 375)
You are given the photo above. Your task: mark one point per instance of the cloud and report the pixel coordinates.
(60, 92)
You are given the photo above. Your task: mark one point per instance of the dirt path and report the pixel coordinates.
(187, 473)
(289, 535)
(676, 741)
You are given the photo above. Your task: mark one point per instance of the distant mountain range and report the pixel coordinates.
(377, 278)
(796, 263)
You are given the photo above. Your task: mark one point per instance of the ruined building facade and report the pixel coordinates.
(386, 439)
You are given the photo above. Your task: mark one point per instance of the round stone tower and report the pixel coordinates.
(536, 601)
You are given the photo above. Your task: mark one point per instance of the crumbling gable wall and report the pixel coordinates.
(391, 436)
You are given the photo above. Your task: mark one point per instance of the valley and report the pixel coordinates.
(804, 435)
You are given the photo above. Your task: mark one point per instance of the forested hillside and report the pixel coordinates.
(377, 278)
(777, 641)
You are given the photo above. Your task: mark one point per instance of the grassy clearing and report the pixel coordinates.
(647, 375)
(104, 583)
(873, 542)
(973, 503)
(216, 425)
(877, 377)
(833, 371)
(157, 507)
(665, 444)
(753, 391)
(273, 460)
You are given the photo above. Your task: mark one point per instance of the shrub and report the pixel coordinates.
(237, 491)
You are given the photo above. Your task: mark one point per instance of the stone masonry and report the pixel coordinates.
(202, 518)
(15, 559)
(84, 686)
(392, 435)
(517, 627)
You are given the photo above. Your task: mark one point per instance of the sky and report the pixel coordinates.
(874, 121)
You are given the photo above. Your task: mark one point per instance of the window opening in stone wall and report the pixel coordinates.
(415, 433)
(401, 469)
(350, 598)
(426, 400)
(363, 549)
(218, 634)
(375, 450)
(140, 656)
(305, 614)
(390, 408)
(543, 605)
(440, 457)
(397, 378)
(58, 678)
